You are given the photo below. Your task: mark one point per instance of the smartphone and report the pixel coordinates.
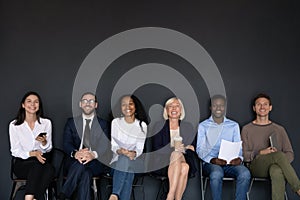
(42, 134)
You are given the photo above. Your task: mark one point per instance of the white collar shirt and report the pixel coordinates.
(23, 138)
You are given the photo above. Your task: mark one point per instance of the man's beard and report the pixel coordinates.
(88, 112)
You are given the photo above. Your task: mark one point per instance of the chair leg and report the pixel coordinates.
(16, 186)
(250, 188)
(95, 189)
(47, 194)
(12, 194)
(285, 195)
(202, 188)
(132, 192)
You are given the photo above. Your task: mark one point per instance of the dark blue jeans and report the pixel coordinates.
(123, 175)
(216, 174)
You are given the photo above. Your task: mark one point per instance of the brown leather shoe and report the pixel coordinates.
(113, 197)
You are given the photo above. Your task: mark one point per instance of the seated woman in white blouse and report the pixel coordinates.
(128, 134)
(30, 141)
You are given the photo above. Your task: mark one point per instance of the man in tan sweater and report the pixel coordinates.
(267, 160)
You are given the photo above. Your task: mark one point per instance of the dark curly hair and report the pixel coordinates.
(140, 112)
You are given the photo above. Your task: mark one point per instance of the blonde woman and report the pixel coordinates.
(180, 156)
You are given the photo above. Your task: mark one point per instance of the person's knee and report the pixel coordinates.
(275, 172)
(216, 175)
(175, 153)
(78, 166)
(86, 174)
(123, 163)
(123, 160)
(279, 155)
(213, 171)
(185, 168)
(244, 174)
(175, 156)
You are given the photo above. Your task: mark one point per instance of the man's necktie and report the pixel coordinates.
(87, 132)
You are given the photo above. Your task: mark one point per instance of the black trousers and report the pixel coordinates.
(80, 177)
(38, 175)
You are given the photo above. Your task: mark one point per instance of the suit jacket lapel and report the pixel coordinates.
(167, 130)
(79, 126)
(96, 132)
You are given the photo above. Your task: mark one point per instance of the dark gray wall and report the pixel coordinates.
(255, 45)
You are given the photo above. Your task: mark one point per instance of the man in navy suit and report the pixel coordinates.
(86, 143)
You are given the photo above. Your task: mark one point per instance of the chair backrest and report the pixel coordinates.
(12, 162)
(12, 174)
(201, 168)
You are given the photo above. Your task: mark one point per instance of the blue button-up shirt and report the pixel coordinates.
(210, 135)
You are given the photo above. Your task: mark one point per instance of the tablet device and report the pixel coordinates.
(273, 140)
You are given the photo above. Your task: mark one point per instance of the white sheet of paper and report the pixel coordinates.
(229, 150)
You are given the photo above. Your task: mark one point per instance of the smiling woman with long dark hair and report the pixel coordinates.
(30, 141)
(128, 134)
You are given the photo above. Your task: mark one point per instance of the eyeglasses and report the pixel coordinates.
(86, 101)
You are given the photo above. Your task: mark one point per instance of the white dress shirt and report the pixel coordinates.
(129, 136)
(22, 138)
